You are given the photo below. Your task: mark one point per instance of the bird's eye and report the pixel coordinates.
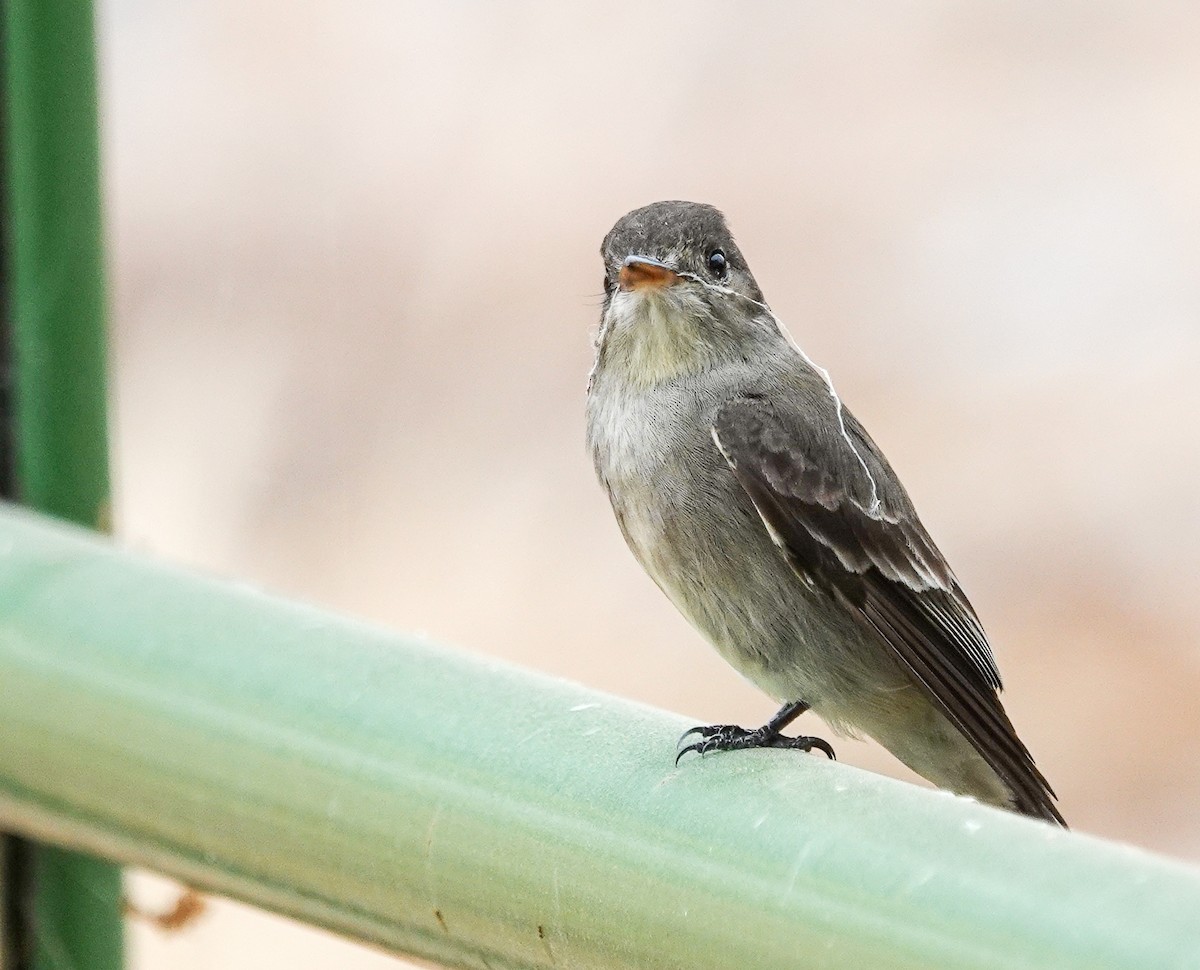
(717, 265)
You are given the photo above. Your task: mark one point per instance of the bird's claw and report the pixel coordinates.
(804, 743)
(707, 732)
(730, 737)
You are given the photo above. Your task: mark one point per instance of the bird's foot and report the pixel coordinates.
(730, 737)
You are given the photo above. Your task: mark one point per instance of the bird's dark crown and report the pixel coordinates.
(688, 231)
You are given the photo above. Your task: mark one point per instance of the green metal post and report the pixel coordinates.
(69, 906)
(481, 816)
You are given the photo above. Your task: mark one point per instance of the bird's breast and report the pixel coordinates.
(682, 512)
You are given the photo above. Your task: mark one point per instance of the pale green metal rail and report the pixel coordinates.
(478, 815)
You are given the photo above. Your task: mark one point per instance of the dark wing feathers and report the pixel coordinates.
(844, 522)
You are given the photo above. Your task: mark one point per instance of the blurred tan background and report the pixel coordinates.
(355, 278)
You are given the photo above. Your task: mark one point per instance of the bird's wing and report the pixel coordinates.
(840, 517)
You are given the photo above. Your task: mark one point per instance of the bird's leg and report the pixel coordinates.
(730, 737)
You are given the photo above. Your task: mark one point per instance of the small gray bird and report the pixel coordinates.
(769, 517)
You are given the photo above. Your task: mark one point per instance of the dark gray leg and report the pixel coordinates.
(730, 737)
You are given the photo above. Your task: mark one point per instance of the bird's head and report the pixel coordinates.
(678, 294)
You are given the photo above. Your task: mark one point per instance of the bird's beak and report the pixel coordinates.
(644, 273)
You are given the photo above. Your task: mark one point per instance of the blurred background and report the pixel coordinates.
(354, 269)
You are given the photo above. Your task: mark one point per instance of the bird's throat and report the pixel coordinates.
(651, 338)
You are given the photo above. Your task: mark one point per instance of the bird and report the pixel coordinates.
(765, 512)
